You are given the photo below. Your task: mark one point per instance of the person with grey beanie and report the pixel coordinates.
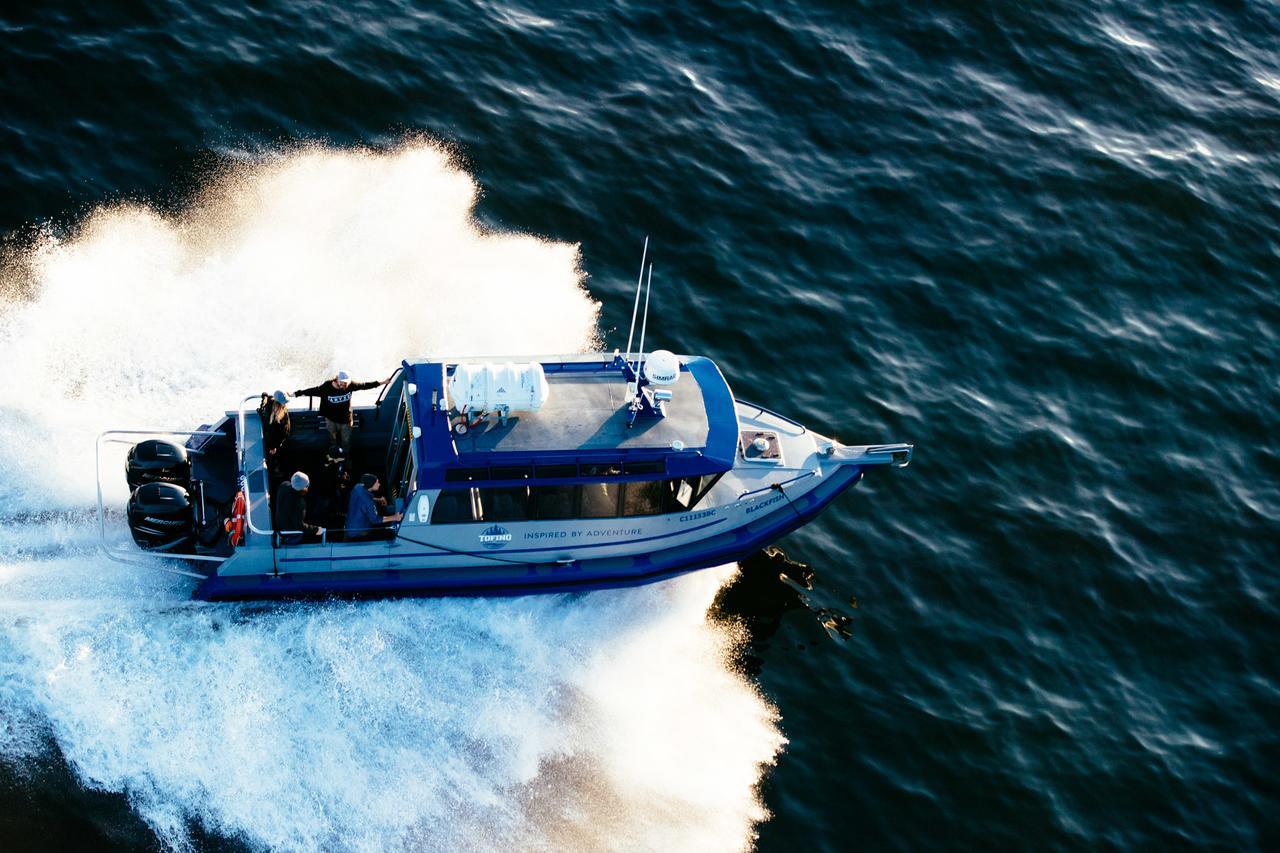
(291, 511)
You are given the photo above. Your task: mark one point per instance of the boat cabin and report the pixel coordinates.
(566, 451)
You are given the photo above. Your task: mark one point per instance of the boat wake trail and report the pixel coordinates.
(596, 721)
(277, 274)
(553, 722)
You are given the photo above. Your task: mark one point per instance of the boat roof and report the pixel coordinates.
(583, 420)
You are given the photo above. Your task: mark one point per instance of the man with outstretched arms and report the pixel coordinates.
(335, 405)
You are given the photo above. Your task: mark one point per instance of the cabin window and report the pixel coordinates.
(555, 502)
(645, 498)
(463, 475)
(685, 490)
(707, 483)
(607, 499)
(690, 491)
(559, 471)
(652, 467)
(600, 500)
(602, 469)
(454, 506)
(510, 472)
(505, 503)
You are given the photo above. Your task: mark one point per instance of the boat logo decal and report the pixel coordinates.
(495, 537)
(773, 500)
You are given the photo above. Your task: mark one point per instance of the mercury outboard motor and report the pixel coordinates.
(161, 518)
(156, 461)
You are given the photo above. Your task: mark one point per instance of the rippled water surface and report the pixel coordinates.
(1040, 240)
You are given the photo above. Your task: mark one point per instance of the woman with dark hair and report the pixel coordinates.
(276, 426)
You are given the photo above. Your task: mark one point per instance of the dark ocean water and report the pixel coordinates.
(1041, 240)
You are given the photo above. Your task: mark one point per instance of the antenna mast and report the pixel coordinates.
(641, 400)
(645, 323)
(644, 255)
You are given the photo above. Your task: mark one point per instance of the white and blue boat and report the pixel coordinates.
(513, 475)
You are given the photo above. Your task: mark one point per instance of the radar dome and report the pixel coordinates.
(661, 367)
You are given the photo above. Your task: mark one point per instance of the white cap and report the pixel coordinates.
(343, 376)
(300, 481)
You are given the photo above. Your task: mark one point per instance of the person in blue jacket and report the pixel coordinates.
(364, 511)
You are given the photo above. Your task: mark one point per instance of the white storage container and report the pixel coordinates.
(490, 387)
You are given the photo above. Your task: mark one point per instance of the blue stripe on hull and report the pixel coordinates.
(727, 547)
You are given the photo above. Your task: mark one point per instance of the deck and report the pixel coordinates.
(589, 412)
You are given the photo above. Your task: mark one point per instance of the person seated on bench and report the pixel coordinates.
(335, 405)
(364, 513)
(291, 512)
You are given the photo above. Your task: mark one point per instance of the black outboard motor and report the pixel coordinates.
(161, 518)
(156, 461)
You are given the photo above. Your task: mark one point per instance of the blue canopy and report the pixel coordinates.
(583, 424)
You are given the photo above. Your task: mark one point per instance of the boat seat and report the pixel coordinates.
(309, 432)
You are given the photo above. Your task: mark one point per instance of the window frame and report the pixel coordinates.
(701, 485)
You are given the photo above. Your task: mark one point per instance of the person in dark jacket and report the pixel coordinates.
(329, 489)
(291, 511)
(364, 513)
(276, 426)
(335, 405)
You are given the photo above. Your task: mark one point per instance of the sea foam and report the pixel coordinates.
(607, 720)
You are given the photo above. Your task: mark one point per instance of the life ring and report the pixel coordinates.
(235, 524)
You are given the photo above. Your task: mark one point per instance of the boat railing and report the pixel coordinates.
(324, 537)
(377, 406)
(240, 431)
(245, 474)
(897, 455)
(761, 410)
(776, 486)
(248, 502)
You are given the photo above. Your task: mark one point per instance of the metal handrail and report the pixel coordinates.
(138, 558)
(324, 536)
(761, 410)
(240, 432)
(377, 406)
(244, 475)
(248, 506)
(773, 486)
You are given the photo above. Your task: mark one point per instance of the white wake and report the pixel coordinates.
(607, 720)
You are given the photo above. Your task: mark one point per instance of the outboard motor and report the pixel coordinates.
(161, 518)
(156, 461)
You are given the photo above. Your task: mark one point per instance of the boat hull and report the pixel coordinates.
(491, 578)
